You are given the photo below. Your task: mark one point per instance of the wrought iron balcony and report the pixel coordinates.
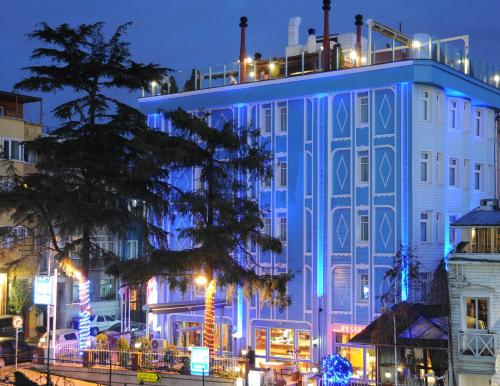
(477, 345)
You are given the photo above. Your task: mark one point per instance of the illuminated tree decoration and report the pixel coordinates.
(337, 371)
(209, 330)
(84, 322)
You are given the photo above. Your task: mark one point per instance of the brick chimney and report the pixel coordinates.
(243, 64)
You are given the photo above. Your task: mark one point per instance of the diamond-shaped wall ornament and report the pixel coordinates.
(342, 230)
(385, 169)
(385, 230)
(222, 120)
(342, 115)
(342, 172)
(385, 111)
(181, 180)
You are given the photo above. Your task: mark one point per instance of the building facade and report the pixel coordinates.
(18, 255)
(474, 299)
(365, 159)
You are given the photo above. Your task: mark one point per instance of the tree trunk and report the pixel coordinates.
(209, 326)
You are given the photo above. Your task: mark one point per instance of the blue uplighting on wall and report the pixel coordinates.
(239, 310)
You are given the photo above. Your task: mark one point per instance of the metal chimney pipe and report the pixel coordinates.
(243, 64)
(326, 35)
(358, 23)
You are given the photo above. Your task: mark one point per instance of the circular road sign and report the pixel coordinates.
(17, 322)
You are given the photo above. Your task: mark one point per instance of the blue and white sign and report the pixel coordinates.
(200, 360)
(43, 290)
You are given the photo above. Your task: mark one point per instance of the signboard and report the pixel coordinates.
(347, 328)
(148, 377)
(17, 322)
(200, 360)
(43, 290)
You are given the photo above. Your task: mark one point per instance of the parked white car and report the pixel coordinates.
(101, 322)
(66, 339)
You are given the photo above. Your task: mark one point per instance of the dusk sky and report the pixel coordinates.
(183, 34)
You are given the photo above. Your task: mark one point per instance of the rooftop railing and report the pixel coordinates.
(452, 52)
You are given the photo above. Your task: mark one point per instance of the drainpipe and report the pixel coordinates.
(243, 64)
(358, 23)
(326, 35)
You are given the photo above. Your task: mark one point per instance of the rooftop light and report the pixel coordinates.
(201, 280)
(353, 55)
(416, 44)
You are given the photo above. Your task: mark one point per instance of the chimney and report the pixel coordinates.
(293, 31)
(311, 40)
(326, 35)
(358, 23)
(243, 64)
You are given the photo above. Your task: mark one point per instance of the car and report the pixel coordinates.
(101, 322)
(65, 338)
(8, 351)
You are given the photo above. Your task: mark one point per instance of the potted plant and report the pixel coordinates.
(144, 346)
(102, 346)
(123, 348)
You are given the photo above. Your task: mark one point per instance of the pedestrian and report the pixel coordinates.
(251, 358)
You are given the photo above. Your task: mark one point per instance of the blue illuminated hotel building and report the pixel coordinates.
(366, 158)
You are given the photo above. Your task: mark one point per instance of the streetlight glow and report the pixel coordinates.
(201, 280)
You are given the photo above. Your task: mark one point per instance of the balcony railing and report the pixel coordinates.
(452, 52)
(477, 345)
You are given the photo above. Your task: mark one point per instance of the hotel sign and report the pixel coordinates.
(200, 360)
(347, 328)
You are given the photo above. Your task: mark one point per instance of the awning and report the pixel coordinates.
(417, 325)
(176, 307)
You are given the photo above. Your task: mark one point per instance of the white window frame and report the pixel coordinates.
(464, 311)
(428, 167)
(268, 229)
(360, 163)
(282, 167)
(439, 227)
(453, 169)
(428, 226)
(478, 123)
(283, 111)
(21, 148)
(283, 229)
(133, 249)
(362, 277)
(453, 118)
(359, 99)
(479, 177)
(363, 238)
(425, 102)
(266, 124)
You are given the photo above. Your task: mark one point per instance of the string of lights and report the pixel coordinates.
(337, 371)
(209, 328)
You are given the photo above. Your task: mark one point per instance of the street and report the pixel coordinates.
(7, 377)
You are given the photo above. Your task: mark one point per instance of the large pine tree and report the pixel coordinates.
(102, 170)
(225, 221)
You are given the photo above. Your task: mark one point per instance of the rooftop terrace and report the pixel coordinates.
(347, 51)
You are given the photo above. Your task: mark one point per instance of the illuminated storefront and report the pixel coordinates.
(363, 358)
(283, 345)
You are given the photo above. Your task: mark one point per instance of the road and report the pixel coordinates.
(38, 377)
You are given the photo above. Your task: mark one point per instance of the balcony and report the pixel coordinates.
(477, 345)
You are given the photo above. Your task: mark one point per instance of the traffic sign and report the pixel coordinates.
(148, 377)
(17, 322)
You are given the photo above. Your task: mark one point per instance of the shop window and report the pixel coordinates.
(476, 313)
(187, 334)
(304, 345)
(282, 342)
(260, 341)
(227, 337)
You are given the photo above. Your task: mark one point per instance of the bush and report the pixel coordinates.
(122, 344)
(23, 380)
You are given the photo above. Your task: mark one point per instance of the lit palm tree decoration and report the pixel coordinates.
(209, 323)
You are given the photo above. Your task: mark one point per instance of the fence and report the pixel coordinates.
(164, 360)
